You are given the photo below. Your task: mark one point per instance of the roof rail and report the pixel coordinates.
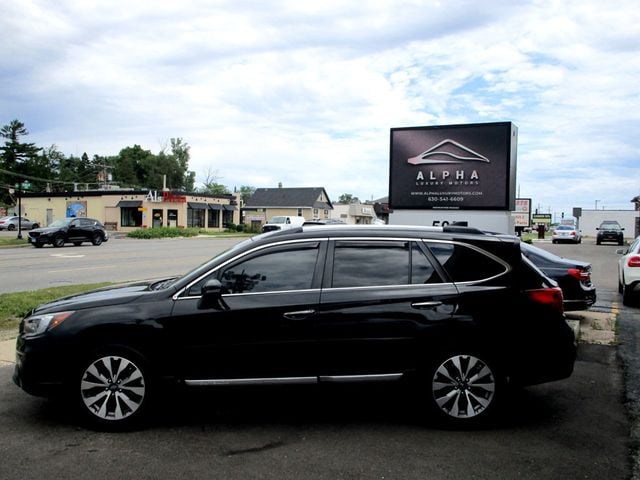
(455, 229)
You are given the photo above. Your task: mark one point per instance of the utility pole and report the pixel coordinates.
(19, 188)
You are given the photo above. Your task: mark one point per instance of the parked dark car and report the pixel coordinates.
(610, 231)
(453, 311)
(69, 230)
(573, 276)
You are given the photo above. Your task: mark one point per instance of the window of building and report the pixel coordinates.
(195, 217)
(300, 212)
(130, 217)
(214, 218)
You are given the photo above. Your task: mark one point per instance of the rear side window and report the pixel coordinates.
(380, 263)
(465, 264)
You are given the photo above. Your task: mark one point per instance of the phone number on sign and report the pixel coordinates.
(445, 199)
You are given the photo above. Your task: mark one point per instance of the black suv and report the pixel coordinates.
(610, 231)
(453, 311)
(69, 230)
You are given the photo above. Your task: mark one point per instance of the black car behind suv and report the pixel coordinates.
(69, 230)
(453, 311)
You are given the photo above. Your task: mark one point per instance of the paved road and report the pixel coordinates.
(118, 260)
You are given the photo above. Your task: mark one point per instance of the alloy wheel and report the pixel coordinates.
(113, 388)
(463, 386)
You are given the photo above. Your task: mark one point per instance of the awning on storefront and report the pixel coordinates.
(216, 206)
(229, 208)
(197, 206)
(129, 203)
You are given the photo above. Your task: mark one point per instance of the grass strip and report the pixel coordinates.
(14, 306)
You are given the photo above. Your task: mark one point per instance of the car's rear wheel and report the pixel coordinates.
(35, 225)
(114, 388)
(464, 388)
(11, 227)
(58, 242)
(628, 297)
(96, 239)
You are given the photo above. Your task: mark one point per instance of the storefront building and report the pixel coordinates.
(127, 210)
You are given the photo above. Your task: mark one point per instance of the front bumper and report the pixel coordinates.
(40, 369)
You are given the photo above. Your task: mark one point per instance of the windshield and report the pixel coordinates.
(564, 227)
(61, 223)
(278, 220)
(610, 226)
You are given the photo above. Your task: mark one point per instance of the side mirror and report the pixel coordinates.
(212, 296)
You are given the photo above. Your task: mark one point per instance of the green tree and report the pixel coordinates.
(347, 198)
(246, 191)
(14, 157)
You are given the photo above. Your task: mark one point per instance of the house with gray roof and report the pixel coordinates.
(308, 202)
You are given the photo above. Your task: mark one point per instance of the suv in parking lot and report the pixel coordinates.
(454, 311)
(610, 231)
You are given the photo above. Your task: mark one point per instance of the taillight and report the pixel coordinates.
(551, 297)
(633, 261)
(581, 275)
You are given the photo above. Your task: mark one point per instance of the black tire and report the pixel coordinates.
(598, 242)
(96, 239)
(113, 388)
(554, 241)
(77, 244)
(58, 242)
(463, 388)
(628, 298)
(38, 244)
(11, 227)
(35, 225)
(620, 287)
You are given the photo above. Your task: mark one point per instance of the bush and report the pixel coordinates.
(163, 232)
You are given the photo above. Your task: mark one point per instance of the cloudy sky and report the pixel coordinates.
(306, 92)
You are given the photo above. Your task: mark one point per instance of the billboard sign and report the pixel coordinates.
(453, 167)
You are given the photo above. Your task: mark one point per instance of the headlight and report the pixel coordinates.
(38, 324)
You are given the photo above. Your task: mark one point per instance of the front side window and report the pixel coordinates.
(283, 268)
(465, 264)
(288, 268)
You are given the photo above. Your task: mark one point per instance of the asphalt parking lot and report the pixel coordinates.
(576, 428)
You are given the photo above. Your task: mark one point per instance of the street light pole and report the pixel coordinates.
(597, 204)
(19, 211)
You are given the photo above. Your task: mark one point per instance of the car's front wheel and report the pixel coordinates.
(58, 242)
(35, 225)
(464, 388)
(114, 388)
(96, 239)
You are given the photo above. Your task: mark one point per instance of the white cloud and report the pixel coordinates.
(306, 92)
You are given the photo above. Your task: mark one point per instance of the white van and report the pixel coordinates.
(282, 222)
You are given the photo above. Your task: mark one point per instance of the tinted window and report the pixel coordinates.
(421, 269)
(465, 264)
(370, 263)
(283, 269)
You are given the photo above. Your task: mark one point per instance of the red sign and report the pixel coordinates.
(172, 197)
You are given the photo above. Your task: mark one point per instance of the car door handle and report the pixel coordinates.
(301, 315)
(426, 305)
